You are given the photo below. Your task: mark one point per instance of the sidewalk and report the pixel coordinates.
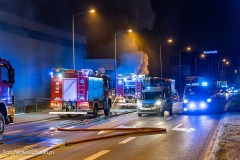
(227, 143)
(33, 116)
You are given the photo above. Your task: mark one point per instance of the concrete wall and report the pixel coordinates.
(33, 49)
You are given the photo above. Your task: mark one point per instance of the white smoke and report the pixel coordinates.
(130, 58)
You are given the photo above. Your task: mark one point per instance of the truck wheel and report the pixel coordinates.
(95, 111)
(106, 112)
(2, 125)
(139, 115)
(61, 116)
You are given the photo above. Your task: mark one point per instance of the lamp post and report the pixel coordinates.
(115, 53)
(73, 47)
(169, 41)
(224, 61)
(201, 56)
(179, 67)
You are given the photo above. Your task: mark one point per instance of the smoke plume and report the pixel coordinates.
(130, 58)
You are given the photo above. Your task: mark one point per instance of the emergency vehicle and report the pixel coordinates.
(129, 86)
(6, 94)
(79, 92)
(197, 97)
(156, 96)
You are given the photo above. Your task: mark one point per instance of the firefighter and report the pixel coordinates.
(167, 101)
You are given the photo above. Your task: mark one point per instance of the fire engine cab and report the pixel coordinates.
(6, 94)
(129, 85)
(79, 92)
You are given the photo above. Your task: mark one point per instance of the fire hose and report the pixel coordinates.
(132, 131)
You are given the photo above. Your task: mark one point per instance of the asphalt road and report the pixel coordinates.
(187, 137)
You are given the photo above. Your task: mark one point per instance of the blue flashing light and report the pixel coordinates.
(120, 81)
(185, 101)
(185, 109)
(209, 100)
(204, 84)
(51, 73)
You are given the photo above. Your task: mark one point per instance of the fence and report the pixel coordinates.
(32, 105)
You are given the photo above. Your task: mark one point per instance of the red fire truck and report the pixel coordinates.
(6, 94)
(129, 86)
(79, 92)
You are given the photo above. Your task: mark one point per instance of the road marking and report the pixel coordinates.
(183, 129)
(13, 132)
(159, 124)
(43, 125)
(126, 140)
(169, 118)
(16, 125)
(99, 154)
(33, 145)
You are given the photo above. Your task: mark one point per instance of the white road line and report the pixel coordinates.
(33, 145)
(27, 123)
(13, 132)
(169, 118)
(99, 154)
(127, 140)
(159, 124)
(43, 125)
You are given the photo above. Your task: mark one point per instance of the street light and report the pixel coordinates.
(115, 53)
(73, 47)
(202, 56)
(168, 41)
(179, 63)
(224, 61)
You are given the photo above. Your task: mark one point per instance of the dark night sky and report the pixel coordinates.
(202, 24)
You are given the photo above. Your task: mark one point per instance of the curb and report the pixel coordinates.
(215, 139)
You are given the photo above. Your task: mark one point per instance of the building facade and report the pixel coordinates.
(33, 49)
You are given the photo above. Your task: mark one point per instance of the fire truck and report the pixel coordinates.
(6, 94)
(129, 85)
(79, 92)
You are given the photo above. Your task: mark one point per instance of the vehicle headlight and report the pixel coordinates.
(139, 103)
(158, 103)
(209, 100)
(185, 101)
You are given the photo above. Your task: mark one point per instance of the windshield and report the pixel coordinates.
(196, 91)
(151, 95)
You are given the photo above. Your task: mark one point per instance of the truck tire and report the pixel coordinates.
(95, 111)
(139, 115)
(2, 125)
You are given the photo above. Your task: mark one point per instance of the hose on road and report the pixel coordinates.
(132, 131)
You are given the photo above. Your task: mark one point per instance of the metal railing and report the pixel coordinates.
(32, 105)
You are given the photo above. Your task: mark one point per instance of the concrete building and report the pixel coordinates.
(34, 49)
